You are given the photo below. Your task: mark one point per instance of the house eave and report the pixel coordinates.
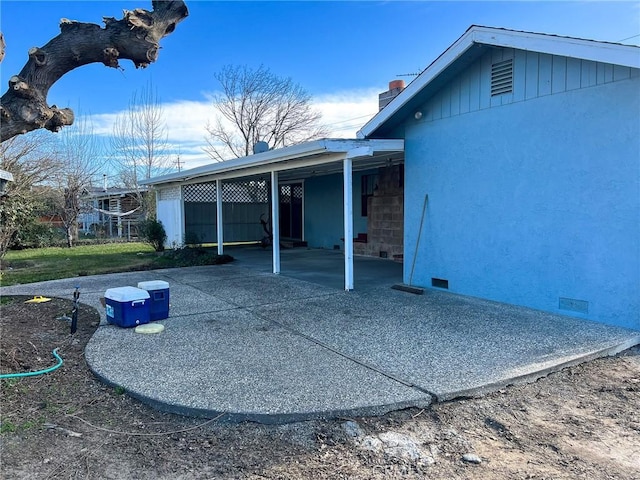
(303, 155)
(478, 36)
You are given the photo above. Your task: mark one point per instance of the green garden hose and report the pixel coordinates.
(39, 372)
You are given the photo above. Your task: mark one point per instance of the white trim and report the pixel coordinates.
(613, 53)
(348, 223)
(219, 219)
(306, 154)
(275, 221)
(182, 224)
(605, 52)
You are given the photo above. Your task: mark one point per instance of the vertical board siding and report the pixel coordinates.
(574, 72)
(588, 74)
(558, 74)
(600, 79)
(534, 75)
(531, 76)
(545, 74)
(608, 73)
(519, 75)
(621, 73)
(485, 82)
(474, 88)
(455, 98)
(464, 94)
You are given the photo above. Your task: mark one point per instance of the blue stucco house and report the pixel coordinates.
(509, 170)
(522, 173)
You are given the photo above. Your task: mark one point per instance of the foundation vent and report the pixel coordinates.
(579, 306)
(440, 283)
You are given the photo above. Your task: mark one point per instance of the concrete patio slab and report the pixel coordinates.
(280, 348)
(449, 345)
(231, 362)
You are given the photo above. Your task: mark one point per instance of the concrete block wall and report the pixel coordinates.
(385, 217)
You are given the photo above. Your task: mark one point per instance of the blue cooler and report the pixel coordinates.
(159, 297)
(127, 306)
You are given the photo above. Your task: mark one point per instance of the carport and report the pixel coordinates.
(275, 172)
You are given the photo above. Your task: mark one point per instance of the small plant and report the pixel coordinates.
(192, 239)
(152, 232)
(119, 390)
(8, 427)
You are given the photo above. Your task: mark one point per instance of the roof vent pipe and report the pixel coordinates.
(395, 87)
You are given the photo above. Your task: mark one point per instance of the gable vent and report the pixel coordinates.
(502, 77)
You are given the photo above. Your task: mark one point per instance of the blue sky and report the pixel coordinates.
(343, 53)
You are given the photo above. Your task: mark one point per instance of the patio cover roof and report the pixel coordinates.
(319, 157)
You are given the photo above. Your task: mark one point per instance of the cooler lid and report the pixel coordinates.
(154, 285)
(126, 294)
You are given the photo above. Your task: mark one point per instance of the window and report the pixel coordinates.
(369, 185)
(502, 77)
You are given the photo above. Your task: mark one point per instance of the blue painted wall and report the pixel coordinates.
(533, 201)
(323, 210)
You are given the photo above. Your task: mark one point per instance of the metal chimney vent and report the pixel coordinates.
(502, 77)
(260, 147)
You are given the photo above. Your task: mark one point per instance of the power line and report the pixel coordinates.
(629, 38)
(350, 119)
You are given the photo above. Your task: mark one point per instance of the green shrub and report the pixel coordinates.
(37, 235)
(152, 232)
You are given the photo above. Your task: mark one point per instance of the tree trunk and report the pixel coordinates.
(136, 37)
(69, 236)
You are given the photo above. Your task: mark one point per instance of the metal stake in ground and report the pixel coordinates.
(74, 312)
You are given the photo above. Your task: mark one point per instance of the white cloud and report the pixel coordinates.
(343, 113)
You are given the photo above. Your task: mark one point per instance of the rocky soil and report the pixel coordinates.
(582, 422)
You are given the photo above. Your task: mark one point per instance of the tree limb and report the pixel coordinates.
(135, 37)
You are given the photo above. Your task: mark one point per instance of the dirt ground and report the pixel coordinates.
(582, 422)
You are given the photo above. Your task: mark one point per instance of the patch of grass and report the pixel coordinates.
(119, 390)
(8, 427)
(53, 263)
(29, 424)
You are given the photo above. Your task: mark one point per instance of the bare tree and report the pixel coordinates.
(32, 161)
(79, 160)
(257, 105)
(140, 144)
(136, 37)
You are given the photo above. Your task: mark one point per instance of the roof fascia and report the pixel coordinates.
(306, 154)
(259, 170)
(604, 52)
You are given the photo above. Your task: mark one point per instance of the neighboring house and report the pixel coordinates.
(111, 212)
(5, 178)
(509, 170)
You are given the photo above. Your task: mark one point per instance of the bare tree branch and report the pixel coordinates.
(78, 154)
(135, 37)
(140, 144)
(256, 105)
